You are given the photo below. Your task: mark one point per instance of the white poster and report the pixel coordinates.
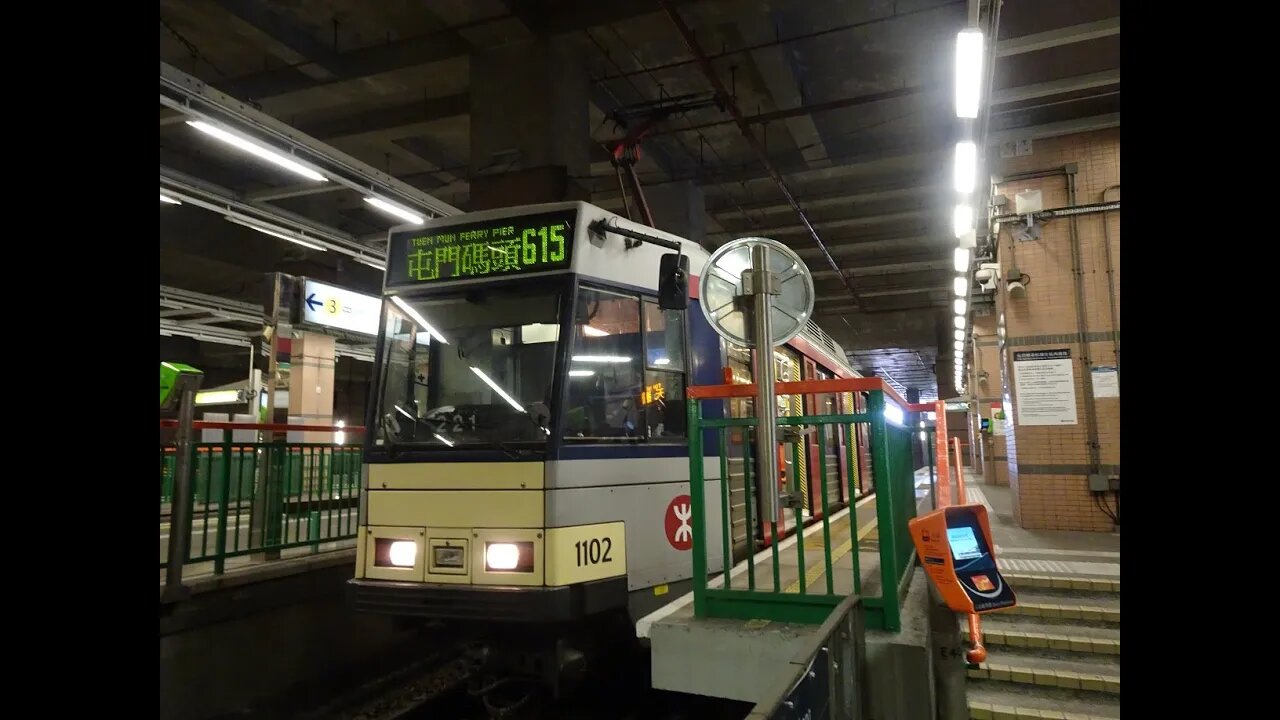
(1106, 382)
(1045, 386)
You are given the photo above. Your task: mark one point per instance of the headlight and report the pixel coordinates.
(404, 553)
(395, 553)
(508, 557)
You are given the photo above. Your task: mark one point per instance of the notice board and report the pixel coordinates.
(1045, 386)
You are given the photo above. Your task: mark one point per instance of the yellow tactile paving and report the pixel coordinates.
(819, 568)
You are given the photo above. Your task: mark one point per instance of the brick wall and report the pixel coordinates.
(1048, 465)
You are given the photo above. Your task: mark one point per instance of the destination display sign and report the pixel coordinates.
(495, 248)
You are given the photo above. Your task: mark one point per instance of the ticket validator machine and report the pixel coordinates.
(954, 544)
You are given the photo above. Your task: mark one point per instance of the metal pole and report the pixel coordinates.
(766, 399)
(180, 512)
(933, 478)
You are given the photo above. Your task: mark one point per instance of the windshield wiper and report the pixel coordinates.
(515, 453)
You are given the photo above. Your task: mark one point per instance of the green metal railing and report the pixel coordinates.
(263, 497)
(893, 471)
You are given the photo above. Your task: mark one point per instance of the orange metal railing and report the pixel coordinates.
(978, 652)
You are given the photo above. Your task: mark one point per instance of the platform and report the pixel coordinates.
(737, 659)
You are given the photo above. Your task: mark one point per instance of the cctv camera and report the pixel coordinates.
(1017, 289)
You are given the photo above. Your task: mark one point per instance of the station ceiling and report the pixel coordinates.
(852, 102)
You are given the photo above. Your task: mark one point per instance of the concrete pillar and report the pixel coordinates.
(679, 208)
(948, 650)
(529, 125)
(311, 384)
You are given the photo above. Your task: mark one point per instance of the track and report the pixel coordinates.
(448, 686)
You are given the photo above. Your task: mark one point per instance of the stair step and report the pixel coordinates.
(1059, 582)
(1051, 659)
(1063, 638)
(988, 700)
(1072, 605)
(1065, 610)
(1023, 674)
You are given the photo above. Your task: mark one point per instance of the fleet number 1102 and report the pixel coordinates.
(594, 551)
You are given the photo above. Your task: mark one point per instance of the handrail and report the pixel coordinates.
(884, 455)
(978, 652)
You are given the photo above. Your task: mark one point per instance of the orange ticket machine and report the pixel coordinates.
(954, 544)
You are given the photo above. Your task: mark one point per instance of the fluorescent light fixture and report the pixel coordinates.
(502, 393)
(961, 286)
(961, 306)
(275, 233)
(965, 171)
(372, 263)
(413, 315)
(960, 345)
(601, 358)
(662, 361)
(217, 397)
(171, 201)
(959, 334)
(893, 413)
(593, 331)
(406, 413)
(962, 220)
(581, 373)
(962, 259)
(340, 437)
(256, 150)
(443, 439)
(960, 321)
(968, 72)
(395, 210)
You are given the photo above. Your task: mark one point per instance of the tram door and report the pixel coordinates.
(793, 461)
(831, 466)
(744, 531)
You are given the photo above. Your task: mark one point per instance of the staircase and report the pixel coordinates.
(1056, 655)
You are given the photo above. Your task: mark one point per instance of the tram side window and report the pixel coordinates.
(606, 368)
(662, 399)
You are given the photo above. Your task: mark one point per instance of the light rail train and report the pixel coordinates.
(526, 466)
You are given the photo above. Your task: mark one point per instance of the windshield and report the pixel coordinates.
(466, 369)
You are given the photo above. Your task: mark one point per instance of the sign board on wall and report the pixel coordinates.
(1045, 386)
(340, 308)
(1106, 382)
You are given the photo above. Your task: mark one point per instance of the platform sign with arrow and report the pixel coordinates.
(335, 307)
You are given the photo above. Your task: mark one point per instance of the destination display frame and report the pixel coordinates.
(481, 250)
